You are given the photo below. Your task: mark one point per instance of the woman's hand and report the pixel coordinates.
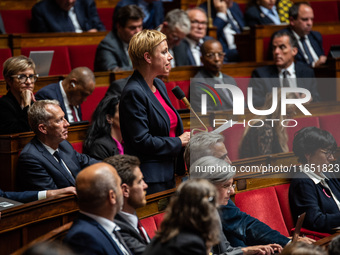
(262, 249)
(27, 97)
(185, 137)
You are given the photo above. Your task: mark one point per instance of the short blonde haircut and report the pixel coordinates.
(14, 65)
(144, 41)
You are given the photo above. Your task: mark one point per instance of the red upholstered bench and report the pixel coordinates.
(82, 55)
(88, 107)
(232, 138)
(325, 11)
(16, 21)
(331, 123)
(152, 224)
(4, 55)
(174, 101)
(105, 15)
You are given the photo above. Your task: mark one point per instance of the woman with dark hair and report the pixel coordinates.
(315, 190)
(190, 225)
(103, 136)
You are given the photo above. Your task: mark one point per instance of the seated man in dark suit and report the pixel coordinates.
(134, 191)
(29, 196)
(152, 9)
(228, 18)
(188, 50)
(309, 42)
(70, 92)
(284, 73)
(112, 52)
(65, 16)
(48, 161)
(262, 12)
(208, 76)
(99, 199)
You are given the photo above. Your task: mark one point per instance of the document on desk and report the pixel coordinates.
(6, 203)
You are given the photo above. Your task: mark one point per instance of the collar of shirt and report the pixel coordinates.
(290, 69)
(132, 219)
(315, 178)
(107, 224)
(192, 43)
(67, 104)
(48, 148)
(272, 14)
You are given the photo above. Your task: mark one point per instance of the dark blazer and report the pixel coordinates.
(24, 197)
(254, 16)
(315, 39)
(231, 54)
(131, 237)
(47, 17)
(185, 243)
(38, 170)
(110, 54)
(13, 118)
(2, 26)
(116, 87)
(102, 148)
(203, 76)
(262, 86)
(322, 213)
(183, 54)
(156, 12)
(88, 237)
(243, 230)
(145, 127)
(52, 91)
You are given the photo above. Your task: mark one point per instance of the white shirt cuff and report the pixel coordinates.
(42, 194)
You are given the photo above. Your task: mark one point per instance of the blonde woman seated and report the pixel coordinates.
(190, 224)
(265, 136)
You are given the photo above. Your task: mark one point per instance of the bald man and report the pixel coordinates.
(70, 92)
(99, 199)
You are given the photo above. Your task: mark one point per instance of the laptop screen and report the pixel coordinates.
(42, 60)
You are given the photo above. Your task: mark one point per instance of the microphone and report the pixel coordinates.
(179, 94)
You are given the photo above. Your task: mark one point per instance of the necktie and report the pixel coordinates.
(56, 154)
(140, 228)
(122, 246)
(306, 49)
(285, 81)
(74, 115)
(233, 26)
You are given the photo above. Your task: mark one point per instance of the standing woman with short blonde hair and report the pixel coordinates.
(151, 128)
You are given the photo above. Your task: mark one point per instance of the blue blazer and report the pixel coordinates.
(262, 86)
(88, 237)
(243, 230)
(231, 54)
(322, 213)
(38, 170)
(156, 12)
(254, 16)
(145, 127)
(52, 91)
(2, 26)
(48, 17)
(24, 197)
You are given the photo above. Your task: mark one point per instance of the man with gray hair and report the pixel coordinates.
(99, 199)
(239, 228)
(48, 161)
(71, 92)
(176, 26)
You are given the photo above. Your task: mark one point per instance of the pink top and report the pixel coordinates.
(172, 115)
(119, 146)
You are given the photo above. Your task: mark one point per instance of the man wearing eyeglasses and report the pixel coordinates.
(208, 77)
(20, 76)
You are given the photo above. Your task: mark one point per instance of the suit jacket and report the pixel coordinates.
(263, 86)
(88, 237)
(24, 197)
(145, 127)
(254, 16)
(116, 87)
(102, 148)
(315, 39)
(243, 230)
(131, 237)
(13, 118)
(48, 17)
(52, 91)
(231, 54)
(110, 54)
(156, 12)
(183, 54)
(185, 243)
(203, 76)
(322, 213)
(2, 26)
(38, 170)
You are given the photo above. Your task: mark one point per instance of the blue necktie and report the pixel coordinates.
(233, 26)
(305, 47)
(56, 154)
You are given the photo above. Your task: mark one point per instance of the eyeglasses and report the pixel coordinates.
(224, 156)
(212, 55)
(328, 153)
(196, 22)
(23, 77)
(229, 187)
